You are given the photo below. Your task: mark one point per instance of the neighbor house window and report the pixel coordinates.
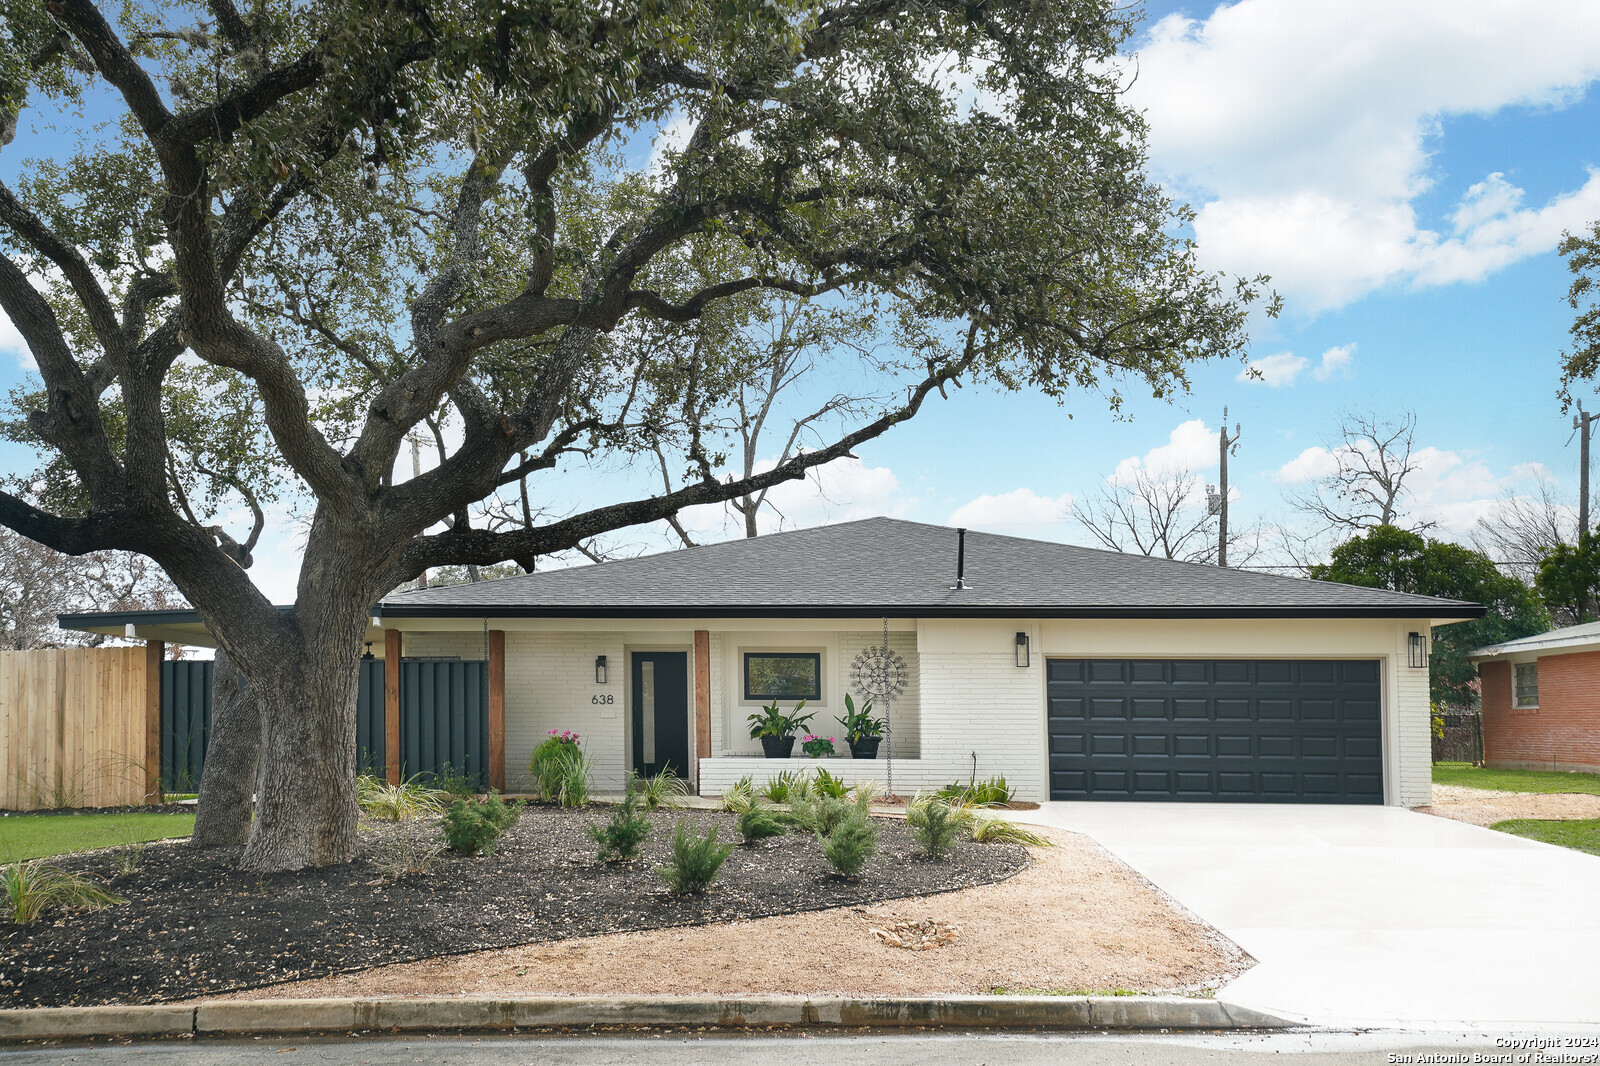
(1527, 685)
(784, 675)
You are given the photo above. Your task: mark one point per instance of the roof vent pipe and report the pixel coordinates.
(961, 558)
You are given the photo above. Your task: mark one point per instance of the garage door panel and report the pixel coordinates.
(1224, 730)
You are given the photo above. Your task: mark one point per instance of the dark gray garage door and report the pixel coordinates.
(1215, 730)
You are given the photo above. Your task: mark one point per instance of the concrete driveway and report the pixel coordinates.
(1372, 915)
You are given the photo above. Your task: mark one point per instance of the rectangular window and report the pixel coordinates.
(784, 675)
(1527, 685)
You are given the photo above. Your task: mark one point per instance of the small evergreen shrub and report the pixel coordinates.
(849, 844)
(693, 862)
(35, 886)
(936, 824)
(472, 828)
(761, 823)
(621, 837)
(820, 814)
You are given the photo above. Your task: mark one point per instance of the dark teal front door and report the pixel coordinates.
(661, 712)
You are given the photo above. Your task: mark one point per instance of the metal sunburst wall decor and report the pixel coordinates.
(879, 673)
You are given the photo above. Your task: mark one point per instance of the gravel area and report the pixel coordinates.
(194, 924)
(1075, 920)
(1485, 807)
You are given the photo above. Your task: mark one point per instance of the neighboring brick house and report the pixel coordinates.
(1077, 674)
(1541, 700)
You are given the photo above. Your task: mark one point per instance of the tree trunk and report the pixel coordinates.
(229, 781)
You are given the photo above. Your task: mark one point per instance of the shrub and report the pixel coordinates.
(693, 862)
(663, 789)
(780, 789)
(762, 823)
(472, 828)
(453, 782)
(739, 796)
(1000, 831)
(935, 823)
(820, 814)
(620, 838)
(849, 843)
(397, 803)
(990, 793)
(828, 785)
(560, 771)
(34, 887)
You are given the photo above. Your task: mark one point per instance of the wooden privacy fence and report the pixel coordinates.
(80, 727)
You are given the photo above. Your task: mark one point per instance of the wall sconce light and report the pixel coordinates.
(1419, 651)
(599, 669)
(1022, 649)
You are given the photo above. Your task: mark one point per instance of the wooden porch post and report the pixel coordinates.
(702, 700)
(155, 652)
(497, 710)
(392, 650)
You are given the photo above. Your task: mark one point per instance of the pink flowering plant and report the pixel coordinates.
(816, 747)
(562, 736)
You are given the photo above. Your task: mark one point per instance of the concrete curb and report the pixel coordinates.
(269, 1016)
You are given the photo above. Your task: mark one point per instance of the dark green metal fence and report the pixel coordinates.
(444, 719)
(185, 722)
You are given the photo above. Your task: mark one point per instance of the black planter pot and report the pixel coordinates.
(777, 747)
(865, 747)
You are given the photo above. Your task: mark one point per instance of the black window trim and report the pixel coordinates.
(749, 697)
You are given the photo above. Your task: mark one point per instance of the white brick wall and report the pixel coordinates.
(1412, 745)
(906, 710)
(980, 701)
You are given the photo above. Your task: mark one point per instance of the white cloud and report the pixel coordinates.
(1303, 127)
(1190, 447)
(11, 343)
(1315, 462)
(841, 491)
(1009, 511)
(1335, 362)
(1275, 371)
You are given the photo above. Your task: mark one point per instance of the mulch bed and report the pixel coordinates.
(68, 812)
(194, 925)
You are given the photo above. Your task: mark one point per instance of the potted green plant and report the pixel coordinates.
(776, 730)
(861, 730)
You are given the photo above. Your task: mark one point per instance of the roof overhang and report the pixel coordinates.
(1459, 613)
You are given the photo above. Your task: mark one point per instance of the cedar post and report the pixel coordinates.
(497, 710)
(155, 652)
(702, 700)
(392, 650)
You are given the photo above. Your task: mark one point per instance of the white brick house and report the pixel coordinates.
(1076, 674)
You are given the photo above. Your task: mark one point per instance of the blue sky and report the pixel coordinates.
(1403, 169)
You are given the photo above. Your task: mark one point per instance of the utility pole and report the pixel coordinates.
(1580, 422)
(1226, 446)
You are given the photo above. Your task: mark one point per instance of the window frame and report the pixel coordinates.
(815, 696)
(1517, 692)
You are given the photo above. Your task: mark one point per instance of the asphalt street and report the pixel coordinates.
(829, 1049)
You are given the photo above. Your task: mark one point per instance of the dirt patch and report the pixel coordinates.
(195, 925)
(1075, 920)
(1486, 807)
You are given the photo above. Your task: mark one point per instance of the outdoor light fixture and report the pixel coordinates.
(1022, 649)
(1419, 651)
(599, 669)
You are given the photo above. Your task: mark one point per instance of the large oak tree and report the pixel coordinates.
(313, 227)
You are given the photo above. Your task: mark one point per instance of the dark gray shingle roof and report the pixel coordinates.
(885, 565)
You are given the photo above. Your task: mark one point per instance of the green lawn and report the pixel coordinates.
(1465, 775)
(1579, 834)
(32, 836)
